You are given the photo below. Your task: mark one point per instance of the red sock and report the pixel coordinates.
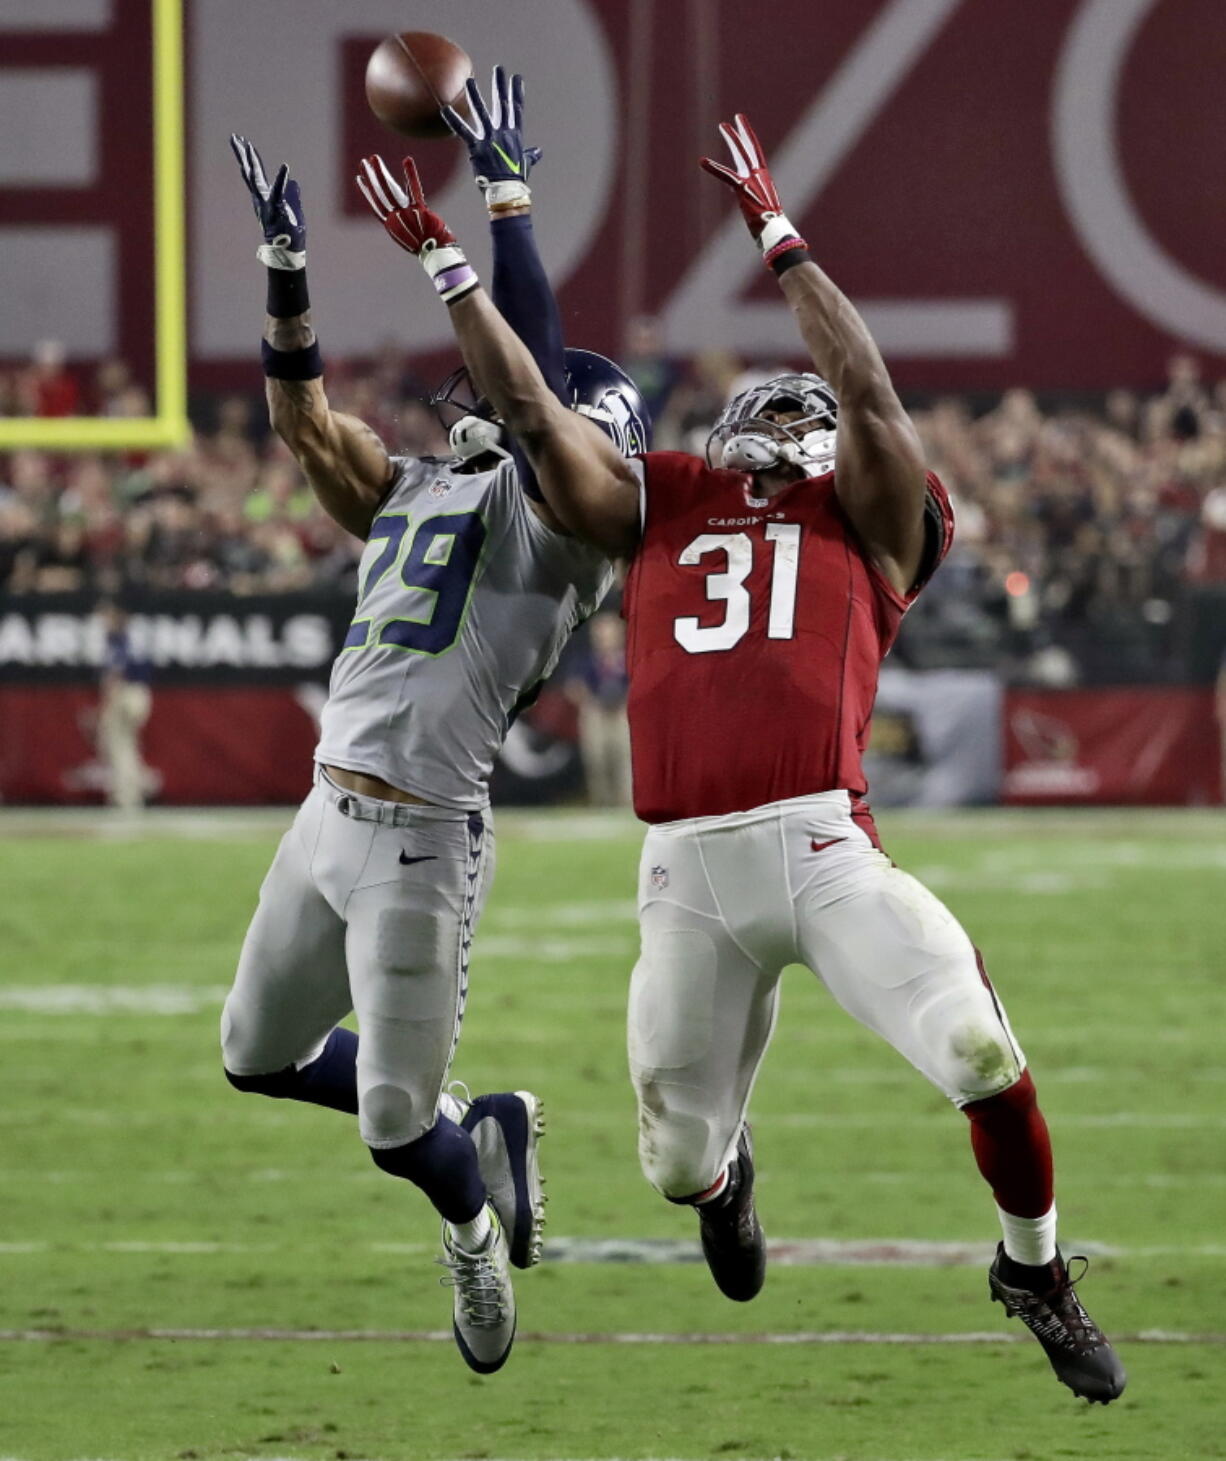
(1013, 1149)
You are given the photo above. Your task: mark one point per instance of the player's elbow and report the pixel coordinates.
(865, 388)
(296, 421)
(528, 413)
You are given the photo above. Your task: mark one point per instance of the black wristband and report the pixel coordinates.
(781, 263)
(287, 293)
(305, 364)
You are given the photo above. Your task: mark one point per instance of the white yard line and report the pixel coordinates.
(852, 1121)
(1091, 827)
(445, 1336)
(787, 1252)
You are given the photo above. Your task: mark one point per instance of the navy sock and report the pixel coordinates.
(443, 1163)
(331, 1079)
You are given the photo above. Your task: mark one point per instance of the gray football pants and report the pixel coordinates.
(369, 906)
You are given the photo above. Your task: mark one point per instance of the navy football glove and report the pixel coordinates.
(495, 143)
(278, 206)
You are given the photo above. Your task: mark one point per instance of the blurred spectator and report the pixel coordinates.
(598, 689)
(1207, 551)
(1082, 533)
(125, 704)
(646, 363)
(47, 386)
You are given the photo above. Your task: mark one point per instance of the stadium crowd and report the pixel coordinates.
(1082, 526)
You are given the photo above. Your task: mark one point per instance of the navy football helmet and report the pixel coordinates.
(599, 390)
(746, 442)
(605, 394)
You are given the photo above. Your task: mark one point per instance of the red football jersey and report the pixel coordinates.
(756, 629)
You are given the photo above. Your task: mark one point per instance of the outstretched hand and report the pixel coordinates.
(278, 205)
(402, 210)
(494, 138)
(748, 177)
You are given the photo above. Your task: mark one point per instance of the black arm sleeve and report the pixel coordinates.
(524, 297)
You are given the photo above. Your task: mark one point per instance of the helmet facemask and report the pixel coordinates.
(599, 390)
(473, 430)
(745, 440)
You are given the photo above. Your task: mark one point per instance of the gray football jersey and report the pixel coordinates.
(465, 601)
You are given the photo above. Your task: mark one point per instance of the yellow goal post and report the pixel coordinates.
(169, 425)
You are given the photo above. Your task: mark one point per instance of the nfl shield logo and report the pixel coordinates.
(659, 877)
(439, 487)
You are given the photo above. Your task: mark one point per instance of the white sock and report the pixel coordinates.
(1029, 1240)
(470, 1237)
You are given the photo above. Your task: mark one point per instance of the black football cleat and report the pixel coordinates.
(733, 1242)
(1079, 1351)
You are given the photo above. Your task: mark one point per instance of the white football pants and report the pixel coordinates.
(369, 906)
(724, 904)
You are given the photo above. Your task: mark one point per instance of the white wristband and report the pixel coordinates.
(276, 256)
(510, 193)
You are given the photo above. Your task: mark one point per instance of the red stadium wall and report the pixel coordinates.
(1159, 745)
(242, 745)
(1014, 191)
(210, 745)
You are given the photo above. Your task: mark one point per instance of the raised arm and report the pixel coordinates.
(879, 464)
(593, 490)
(344, 461)
(501, 164)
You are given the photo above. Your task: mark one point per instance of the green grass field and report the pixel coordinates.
(138, 1193)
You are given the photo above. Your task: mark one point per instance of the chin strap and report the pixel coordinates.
(473, 436)
(757, 451)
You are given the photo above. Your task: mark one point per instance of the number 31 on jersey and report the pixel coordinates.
(729, 587)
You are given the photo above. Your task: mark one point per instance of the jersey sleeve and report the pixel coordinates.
(938, 532)
(669, 482)
(938, 537)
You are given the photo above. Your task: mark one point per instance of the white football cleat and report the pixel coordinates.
(483, 1304)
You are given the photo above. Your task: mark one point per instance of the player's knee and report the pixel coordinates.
(674, 1147)
(389, 1116)
(240, 1041)
(283, 1084)
(983, 1059)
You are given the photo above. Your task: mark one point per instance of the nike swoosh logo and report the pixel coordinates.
(408, 861)
(820, 846)
(516, 167)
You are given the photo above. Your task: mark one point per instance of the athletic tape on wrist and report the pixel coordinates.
(450, 272)
(305, 364)
(508, 194)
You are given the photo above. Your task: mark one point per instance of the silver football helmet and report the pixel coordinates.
(744, 441)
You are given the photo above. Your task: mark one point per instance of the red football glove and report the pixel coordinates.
(415, 227)
(751, 181)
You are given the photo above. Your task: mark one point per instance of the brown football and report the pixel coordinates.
(410, 76)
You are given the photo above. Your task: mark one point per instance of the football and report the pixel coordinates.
(410, 76)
